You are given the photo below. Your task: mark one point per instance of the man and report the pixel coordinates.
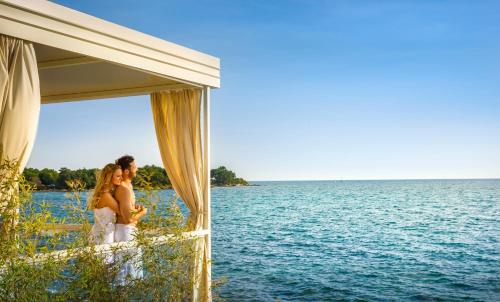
(126, 219)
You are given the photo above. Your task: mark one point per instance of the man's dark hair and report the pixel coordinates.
(125, 161)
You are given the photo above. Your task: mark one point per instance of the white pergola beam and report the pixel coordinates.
(61, 63)
(114, 93)
(57, 26)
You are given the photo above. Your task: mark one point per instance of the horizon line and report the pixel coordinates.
(378, 179)
(304, 180)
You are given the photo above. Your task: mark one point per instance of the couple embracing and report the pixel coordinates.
(113, 200)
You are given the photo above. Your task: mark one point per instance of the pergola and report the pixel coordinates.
(50, 54)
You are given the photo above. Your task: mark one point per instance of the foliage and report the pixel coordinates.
(50, 179)
(39, 263)
(224, 177)
(157, 176)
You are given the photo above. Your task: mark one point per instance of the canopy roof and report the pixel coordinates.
(83, 57)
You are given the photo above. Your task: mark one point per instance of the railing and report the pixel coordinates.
(105, 248)
(51, 229)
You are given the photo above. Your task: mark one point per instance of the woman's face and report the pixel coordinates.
(117, 177)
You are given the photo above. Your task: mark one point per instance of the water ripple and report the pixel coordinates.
(358, 240)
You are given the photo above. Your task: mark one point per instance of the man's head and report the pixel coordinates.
(129, 168)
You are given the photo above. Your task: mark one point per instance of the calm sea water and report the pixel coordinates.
(355, 240)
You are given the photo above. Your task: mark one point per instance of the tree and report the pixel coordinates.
(240, 181)
(48, 177)
(88, 176)
(31, 175)
(158, 176)
(65, 174)
(222, 176)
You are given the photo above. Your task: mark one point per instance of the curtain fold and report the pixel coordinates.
(177, 119)
(19, 112)
(19, 99)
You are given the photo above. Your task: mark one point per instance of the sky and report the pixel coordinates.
(311, 90)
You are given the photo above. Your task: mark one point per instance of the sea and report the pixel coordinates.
(384, 240)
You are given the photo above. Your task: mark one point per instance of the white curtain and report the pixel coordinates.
(19, 111)
(177, 118)
(19, 99)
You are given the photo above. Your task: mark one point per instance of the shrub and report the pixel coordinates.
(39, 263)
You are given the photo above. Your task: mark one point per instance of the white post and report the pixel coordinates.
(206, 207)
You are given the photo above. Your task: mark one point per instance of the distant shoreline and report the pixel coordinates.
(255, 183)
(50, 180)
(165, 188)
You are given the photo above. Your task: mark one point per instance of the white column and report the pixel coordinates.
(207, 213)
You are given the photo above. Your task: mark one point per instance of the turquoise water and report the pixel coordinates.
(356, 240)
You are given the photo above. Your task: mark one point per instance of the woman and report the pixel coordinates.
(104, 204)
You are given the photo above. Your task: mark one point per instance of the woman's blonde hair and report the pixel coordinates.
(104, 178)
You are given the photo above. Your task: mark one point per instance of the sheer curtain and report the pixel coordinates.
(19, 99)
(19, 112)
(177, 119)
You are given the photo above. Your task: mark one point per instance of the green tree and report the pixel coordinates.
(158, 176)
(240, 181)
(222, 176)
(65, 175)
(48, 177)
(32, 176)
(87, 176)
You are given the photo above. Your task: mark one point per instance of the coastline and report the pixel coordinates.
(161, 188)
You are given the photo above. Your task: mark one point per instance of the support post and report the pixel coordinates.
(206, 207)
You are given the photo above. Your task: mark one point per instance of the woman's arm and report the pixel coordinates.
(107, 200)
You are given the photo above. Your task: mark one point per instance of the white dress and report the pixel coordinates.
(103, 230)
(131, 268)
(132, 258)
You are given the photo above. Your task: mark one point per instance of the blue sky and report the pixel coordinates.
(312, 89)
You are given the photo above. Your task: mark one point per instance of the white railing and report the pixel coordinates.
(106, 248)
